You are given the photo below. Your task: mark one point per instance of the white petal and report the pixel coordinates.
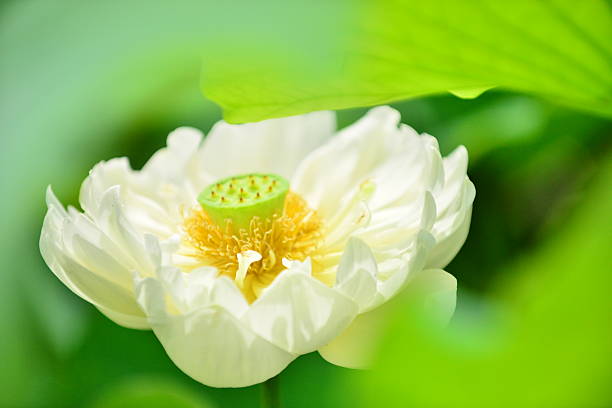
(447, 246)
(355, 347)
(51, 243)
(396, 159)
(454, 203)
(397, 227)
(172, 163)
(151, 296)
(352, 217)
(341, 162)
(175, 175)
(54, 203)
(411, 264)
(357, 272)
(103, 176)
(298, 313)
(271, 146)
(93, 249)
(403, 169)
(438, 290)
(455, 170)
(129, 321)
(113, 298)
(200, 288)
(216, 349)
(97, 290)
(112, 220)
(115, 301)
(210, 344)
(154, 197)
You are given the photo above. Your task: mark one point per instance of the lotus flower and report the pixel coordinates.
(265, 241)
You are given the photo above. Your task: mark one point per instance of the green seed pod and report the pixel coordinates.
(240, 198)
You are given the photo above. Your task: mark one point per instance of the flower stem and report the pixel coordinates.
(270, 397)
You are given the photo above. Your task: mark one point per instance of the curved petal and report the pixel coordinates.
(126, 320)
(355, 346)
(396, 160)
(114, 300)
(454, 203)
(210, 344)
(356, 277)
(216, 349)
(271, 146)
(448, 246)
(398, 167)
(436, 291)
(89, 246)
(111, 219)
(145, 207)
(392, 171)
(178, 163)
(394, 277)
(393, 230)
(154, 197)
(201, 288)
(298, 313)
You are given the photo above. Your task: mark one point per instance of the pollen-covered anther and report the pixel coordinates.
(294, 233)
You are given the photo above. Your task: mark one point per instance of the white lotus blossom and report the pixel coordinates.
(372, 211)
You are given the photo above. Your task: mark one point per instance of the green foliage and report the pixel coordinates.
(149, 393)
(396, 49)
(549, 343)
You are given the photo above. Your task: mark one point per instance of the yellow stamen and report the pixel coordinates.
(294, 235)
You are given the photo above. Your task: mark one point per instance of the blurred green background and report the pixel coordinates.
(83, 82)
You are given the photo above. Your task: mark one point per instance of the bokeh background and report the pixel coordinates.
(83, 82)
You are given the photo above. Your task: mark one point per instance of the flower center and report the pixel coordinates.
(238, 199)
(247, 213)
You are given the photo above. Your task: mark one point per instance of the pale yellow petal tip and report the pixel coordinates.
(184, 136)
(304, 267)
(356, 346)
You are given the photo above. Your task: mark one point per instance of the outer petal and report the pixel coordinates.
(449, 243)
(454, 202)
(355, 347)
(112, 297)
(270, 146)
(298, 313)
(178, 164)
(400, 163)
(210, 344)
(154, 197)
(126, 320)
(111, 219)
